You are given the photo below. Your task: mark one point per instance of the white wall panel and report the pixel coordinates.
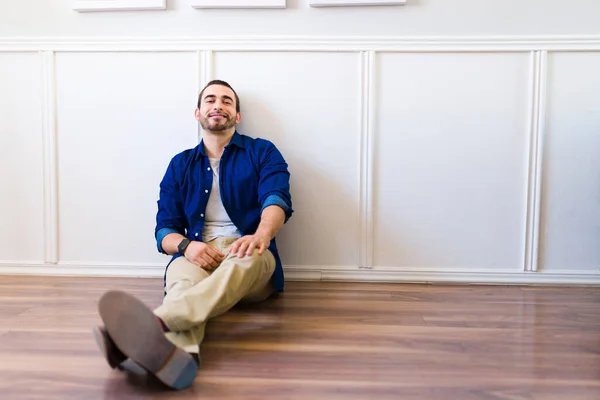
(21, 158)
(570, 234)
(451, 161)
(308, 105)
(121, 117)
(450, 157)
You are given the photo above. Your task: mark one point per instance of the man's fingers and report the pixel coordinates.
(262, 248)
(251, 248)
(201, 263)
(209, 260)
(244, 246)
(242, 249)
(197, 263)
(214, 253)
(212, 256)
(235, 246)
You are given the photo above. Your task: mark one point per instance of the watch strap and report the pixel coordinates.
(183, 245)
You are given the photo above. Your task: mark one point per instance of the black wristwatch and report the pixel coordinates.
(183, 245)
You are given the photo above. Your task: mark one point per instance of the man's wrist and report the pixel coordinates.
(183, 245)
(265, 234)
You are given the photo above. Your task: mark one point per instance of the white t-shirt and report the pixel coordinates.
(217, 223)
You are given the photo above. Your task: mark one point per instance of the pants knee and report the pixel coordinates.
(256, 260)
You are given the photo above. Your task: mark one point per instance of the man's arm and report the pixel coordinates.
(170, 242)
(271, 220)
(274, 181)
(274, 195)
(199, 253)
(170, 218)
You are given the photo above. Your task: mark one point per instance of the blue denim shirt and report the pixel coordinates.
(252, 175)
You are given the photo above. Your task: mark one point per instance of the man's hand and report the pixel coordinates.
(203, 255)
(246, 244)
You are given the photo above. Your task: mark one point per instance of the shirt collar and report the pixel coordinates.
(236, 140)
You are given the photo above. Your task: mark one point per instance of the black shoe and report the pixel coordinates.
(109, 349)
(137, 332)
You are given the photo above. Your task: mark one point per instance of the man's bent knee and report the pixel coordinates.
(255, 259)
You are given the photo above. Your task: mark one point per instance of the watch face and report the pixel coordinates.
(182, 245)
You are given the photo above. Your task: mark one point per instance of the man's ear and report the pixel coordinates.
(197, 114)
(238, 117)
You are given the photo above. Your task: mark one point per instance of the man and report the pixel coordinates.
(220, 207)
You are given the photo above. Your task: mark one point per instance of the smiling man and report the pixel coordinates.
(221, 205)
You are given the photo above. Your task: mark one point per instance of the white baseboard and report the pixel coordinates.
(447, 276)
(327, 273)
(95, 270)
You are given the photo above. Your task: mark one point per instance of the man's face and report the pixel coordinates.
(217, 109)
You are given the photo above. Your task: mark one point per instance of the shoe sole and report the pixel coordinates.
(103, 342)
(136, 331)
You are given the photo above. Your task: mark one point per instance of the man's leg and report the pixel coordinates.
(124, 315)
(247, 278)
(180, 277)
(139, 335)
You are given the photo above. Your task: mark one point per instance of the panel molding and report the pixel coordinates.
(301, 43)
(537, 116)
(205, 67)
(50, 145)
(324, 273)
(367, 105)
(206, 62)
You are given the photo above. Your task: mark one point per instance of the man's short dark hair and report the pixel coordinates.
(222, 83)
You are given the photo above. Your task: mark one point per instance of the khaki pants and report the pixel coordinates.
(194, 295)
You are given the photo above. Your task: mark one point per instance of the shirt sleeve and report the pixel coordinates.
(275, 200)
(160, 235)
(274, 183)
(170, 215)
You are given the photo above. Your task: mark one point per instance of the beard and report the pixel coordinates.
(223, 125)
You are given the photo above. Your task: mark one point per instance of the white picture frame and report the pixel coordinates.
(353, 3)
(238, 3)
(118, 5)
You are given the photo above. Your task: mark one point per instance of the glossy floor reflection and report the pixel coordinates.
(319, 341)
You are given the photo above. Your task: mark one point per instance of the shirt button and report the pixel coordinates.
(196, 234)
(208, 169)
(206, 191)
(202, 215)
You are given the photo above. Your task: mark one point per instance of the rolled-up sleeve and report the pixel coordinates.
(275, 200)
(160, 235)
(274, 183)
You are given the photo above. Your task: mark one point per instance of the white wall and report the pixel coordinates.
(461, 159)
(418, 17)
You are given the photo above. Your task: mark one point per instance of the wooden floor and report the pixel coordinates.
(320, 341)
